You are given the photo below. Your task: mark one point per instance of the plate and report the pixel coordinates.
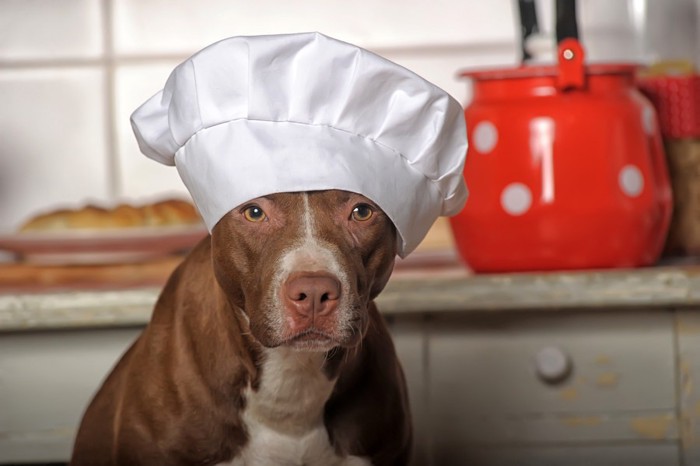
(101, 246)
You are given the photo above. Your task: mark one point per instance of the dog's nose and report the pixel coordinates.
(312, 294)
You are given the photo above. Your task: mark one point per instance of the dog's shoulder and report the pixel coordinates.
(366, 414)
(165, 403)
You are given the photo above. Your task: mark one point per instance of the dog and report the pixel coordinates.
(265, 348)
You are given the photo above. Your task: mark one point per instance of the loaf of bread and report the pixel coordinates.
(170, 212)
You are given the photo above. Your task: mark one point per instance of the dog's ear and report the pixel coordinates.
(226, 273)
(383, 259)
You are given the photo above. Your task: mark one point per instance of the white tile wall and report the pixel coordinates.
(71, 72)
(53, 140)
(632, 30)
(180, 26)
(50, 29)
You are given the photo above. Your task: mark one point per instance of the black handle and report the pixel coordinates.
(528, 24)
(567, 25)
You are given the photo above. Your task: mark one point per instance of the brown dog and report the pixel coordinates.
(265, 348)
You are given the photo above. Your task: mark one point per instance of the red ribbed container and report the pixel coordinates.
(677, 102)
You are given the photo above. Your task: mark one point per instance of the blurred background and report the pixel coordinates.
(72, 71)
(550, 368)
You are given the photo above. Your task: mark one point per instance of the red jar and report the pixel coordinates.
(565, 169)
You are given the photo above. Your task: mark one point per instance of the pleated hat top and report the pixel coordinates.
(252, 116)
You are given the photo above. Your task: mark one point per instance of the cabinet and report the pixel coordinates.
(619, 382)
(489, 403)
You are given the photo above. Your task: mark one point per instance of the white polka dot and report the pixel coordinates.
(631, 181)
(516, 199)
(485, 137)
(648, 119)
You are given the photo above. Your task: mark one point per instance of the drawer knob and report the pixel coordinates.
(552, 363)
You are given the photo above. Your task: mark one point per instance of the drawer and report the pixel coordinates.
(46, 382)
(485, 387)
(636, 454)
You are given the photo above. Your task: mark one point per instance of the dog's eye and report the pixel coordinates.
(362, 212)
(254, 214)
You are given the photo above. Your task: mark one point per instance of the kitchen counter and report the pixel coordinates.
(448, 290)
(628, 393)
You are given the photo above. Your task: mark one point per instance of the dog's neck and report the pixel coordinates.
(291, 393)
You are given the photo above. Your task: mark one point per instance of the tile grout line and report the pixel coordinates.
(109, 54)
(109, 101)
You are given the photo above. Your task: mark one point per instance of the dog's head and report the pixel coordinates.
(304, 266)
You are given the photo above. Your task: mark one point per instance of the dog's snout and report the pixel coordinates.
(312, 294)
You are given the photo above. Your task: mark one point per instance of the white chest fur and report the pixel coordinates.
(284, 417)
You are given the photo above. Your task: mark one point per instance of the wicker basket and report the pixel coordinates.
(683, 157)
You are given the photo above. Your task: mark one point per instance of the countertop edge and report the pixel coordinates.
(657, 287)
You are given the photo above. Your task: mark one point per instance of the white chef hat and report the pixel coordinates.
(252, 116)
